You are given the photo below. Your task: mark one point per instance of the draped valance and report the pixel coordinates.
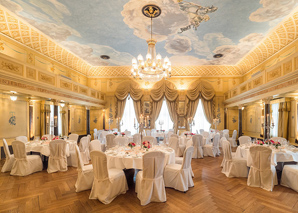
(164, 88)
(200, 88)
(129, 87)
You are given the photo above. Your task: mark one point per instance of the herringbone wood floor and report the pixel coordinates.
(213, 192)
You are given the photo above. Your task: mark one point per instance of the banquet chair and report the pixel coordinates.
(22, 138)
(179, 160)
(57, 159)
(95, 134)
(178, 131)
(282, 141)
(226, 131)
(121, 141)
(9, 158)
(96, 145)
(198, 146)
(174, 135)
(232, 140)
(137, 139)
(98, 134)
(289, 177)
(23, 164)
(84, 149)
(226, 135)
(244, 140)
(110, 141)
(151, 139)
(212, 149)
(174, 144)
(108, 183)
(201, 131)
(73, 137)
(148, 132)
(262, 173)
(232, 167)
(179, 176)
(205, 134)
(127, 133)
(150, 186)
(85, 174)
(89, 138)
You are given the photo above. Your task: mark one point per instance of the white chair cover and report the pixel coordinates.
(137, 139)
(108, 183)
(148, 132)
(57, 159)
(232, 167)
(213, 148)
(151, 139)
(85, 174)
(150, 185)
(201, 131)
(262, 173)
(244, 140)
(95, 134)
(206, 134)
(226, 131)
(179, 160)
(9, 158)
(89, 138)
(290, 176)
(127, 133)
(174, 135)
(23, 138)
(198, 146)
(179, 176)
(283, 141)
(73, 137)
(96, 145)
(121, 141)
(23, 164)
(84, 149)
(232, 140)
(110, 141)
(174, 144)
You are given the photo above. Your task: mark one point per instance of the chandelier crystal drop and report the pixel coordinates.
(153, 68)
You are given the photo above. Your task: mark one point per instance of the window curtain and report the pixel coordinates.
(126, 88)
(64, 120)
(160, 90)
(200, 89)
(283, 120)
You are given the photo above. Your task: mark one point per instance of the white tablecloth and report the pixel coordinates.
(126, 158)
(159, 135)
(282, 154)
(44, 148)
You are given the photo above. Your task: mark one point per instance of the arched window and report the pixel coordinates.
(200, 119)
(164, 117)
(129, 117)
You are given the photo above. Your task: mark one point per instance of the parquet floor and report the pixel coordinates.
(213, 192)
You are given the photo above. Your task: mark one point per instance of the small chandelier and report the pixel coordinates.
(153, 68)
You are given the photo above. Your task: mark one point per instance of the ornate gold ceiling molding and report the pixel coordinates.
(281, 36)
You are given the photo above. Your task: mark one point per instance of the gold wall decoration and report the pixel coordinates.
(31, 73)
(271, 75)
(11, 67)
(234, 92)
(249, 86)
(65, 85)
(30, 58)
(287, 67)
(83, 90)
(93, 93)
(75, 88)
(243, 89)
(258, 81)
(48, 79)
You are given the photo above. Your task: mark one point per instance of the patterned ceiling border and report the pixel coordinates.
(19, 30)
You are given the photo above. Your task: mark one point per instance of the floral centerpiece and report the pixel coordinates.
(275, 143)
(122, 133)
(191, 134)
(259, 142)
(115, 133)
(146, 145)
(131, 145)
(44, 138)
(56, 138)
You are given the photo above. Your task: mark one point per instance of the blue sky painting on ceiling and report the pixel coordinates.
(117, 28)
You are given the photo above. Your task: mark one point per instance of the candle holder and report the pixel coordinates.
(144, 124)
(110, 121)
(119, 124)
(191, 123)
(268, 127)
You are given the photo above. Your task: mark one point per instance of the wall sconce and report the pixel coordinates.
(62, 105)
(242, 108)
(55, 121)
(13, 97)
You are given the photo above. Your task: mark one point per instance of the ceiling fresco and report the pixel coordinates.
(190, 32)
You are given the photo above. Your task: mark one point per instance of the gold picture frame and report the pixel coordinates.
(147, 108)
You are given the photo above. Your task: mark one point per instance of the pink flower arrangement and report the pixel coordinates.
(259, 142)
(191, 134)
(115, 133)
(122, 133)
(56, 138)
(275, 143)
(131, 145)
(44, 138)
(146, 145)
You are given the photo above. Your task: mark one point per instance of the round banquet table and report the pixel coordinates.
(44, 149)
(282, 154)
(126, 158)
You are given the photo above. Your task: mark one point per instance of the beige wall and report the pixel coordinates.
(251, 118)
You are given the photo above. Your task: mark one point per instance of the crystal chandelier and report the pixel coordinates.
(153, 68)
